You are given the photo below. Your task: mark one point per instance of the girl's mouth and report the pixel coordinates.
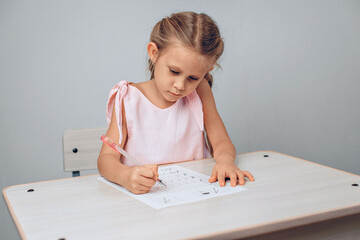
(176, 95)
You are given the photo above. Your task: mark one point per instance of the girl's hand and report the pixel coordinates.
(139, 180)
(230, 170)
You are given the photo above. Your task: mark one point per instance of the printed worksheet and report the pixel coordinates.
(182, 186)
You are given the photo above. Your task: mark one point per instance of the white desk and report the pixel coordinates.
(288, 193)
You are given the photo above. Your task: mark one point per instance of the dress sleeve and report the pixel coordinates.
(196, 108)
(116, 96)
(195, 105)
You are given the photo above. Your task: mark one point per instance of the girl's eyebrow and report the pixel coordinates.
(177, 69)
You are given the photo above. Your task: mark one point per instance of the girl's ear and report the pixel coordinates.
(152, 51)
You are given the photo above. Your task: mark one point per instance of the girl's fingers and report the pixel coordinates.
(140, 191)
(248, 175)
(148, 171)
(241, 177)
(141, 180)
(147, 182)
(138, 188)
(221, 179)
(143, 184)
(213, 176)
(148, 176)
(236, 176)
(154, 168)
(233, 179)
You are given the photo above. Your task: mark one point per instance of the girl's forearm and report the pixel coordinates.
(110, 167)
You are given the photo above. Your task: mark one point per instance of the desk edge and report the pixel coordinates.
(253, 230)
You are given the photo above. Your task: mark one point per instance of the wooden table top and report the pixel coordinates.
(287, 192)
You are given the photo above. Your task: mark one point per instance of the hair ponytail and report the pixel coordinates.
(209, 78)
(151, 68)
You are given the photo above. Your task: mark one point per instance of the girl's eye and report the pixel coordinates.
(192, 78)
(173, 71)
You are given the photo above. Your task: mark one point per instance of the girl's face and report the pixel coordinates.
(178, 71)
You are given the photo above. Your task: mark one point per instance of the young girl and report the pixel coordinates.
(162, 120)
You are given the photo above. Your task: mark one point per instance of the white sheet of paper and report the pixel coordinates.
(183, 186)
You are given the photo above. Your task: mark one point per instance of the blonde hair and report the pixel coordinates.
(194, 30)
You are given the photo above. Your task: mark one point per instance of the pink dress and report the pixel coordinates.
(156, 135)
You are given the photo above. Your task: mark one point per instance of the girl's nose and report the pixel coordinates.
(179, 84)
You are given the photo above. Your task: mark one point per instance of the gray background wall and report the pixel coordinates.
(290, 80)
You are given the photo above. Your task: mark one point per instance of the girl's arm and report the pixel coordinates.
(223, 149)
(136, 179)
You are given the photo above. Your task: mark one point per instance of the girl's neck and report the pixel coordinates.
(150, 91)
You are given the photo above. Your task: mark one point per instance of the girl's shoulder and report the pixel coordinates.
(141, 86)
(144, 88)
